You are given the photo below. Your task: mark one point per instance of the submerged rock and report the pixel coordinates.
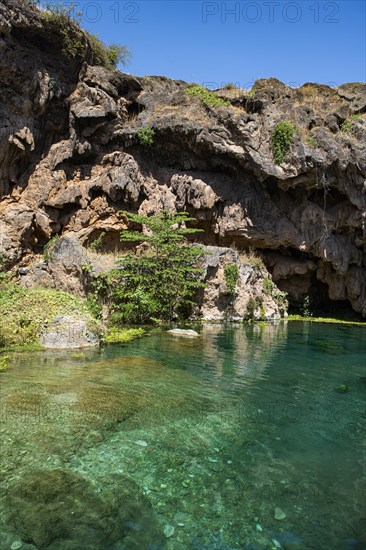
(279, 514)
(183, 332)
(58, 509)
(169, 531)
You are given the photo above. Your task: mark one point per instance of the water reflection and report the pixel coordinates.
(201, 436)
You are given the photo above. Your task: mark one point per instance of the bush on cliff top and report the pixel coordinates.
(64, 19)
(107, 56)
(209, 99)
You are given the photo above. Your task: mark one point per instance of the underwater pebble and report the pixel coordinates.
(184, 538)
(16, 545)
(141, 443)
(181, 518)
(169, 531)
(279, 514)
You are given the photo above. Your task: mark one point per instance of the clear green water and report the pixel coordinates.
(189, 443)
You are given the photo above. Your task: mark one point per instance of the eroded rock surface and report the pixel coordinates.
(71, 159)
(66, 332)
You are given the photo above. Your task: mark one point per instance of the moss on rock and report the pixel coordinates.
(25, 313)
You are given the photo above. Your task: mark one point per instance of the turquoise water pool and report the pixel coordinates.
(240, 438)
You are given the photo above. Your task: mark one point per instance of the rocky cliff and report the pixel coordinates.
(71, 157)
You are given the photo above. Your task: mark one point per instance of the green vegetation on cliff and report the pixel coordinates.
(231, 274)
(63, 18)
(25, 312)
(282, 138)
(146, 136)
(208, 98)
(348, 126)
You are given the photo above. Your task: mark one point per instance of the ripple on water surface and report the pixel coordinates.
(236, 439)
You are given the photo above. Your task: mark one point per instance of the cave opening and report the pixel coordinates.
(317, 303)
(134, 109)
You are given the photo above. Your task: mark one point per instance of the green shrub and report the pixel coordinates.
(229, 86)
(107, 56)
(282, 138)
(64, 20)
(231, 275)
(348, 126)
(311, 141)
(268, 286)
(146, 136)
(118, 54)
(208, 98)
(4, 362)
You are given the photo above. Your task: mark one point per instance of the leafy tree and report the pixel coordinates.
(161, 282)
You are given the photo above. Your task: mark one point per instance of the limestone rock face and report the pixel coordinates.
(254, 295)
(66, 332)
(71, 158)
